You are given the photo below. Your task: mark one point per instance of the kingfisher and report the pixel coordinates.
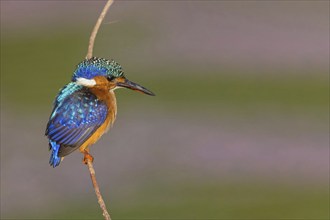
(86, 108)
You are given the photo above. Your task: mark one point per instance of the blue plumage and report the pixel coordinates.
(77, 112)
(66, 91)
(76, 116)
(54, 158)
(85, 105)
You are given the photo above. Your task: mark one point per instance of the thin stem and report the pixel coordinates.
(97, 190)
(96, 29)
(89, 160)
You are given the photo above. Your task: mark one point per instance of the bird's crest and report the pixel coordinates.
(89, 68)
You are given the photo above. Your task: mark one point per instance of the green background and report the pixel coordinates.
(238, 128)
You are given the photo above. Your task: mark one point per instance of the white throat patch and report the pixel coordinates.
(117, 87)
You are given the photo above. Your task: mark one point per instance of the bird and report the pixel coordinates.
(86, 108)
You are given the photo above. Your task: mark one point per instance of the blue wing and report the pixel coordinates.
(76, 116)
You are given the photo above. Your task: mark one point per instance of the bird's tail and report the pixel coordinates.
(54, 160)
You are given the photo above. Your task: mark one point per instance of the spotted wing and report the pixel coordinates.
(76, 116)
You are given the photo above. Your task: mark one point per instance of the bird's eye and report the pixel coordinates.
(110, 78)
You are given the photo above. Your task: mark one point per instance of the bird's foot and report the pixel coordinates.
(87, 157)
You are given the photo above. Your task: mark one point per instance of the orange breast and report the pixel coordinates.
(110, 99)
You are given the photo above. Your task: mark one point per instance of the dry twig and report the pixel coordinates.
(88, 56)
(96, 29)
(97, 190)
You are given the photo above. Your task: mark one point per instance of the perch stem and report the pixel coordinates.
(97, 190)
(89, 159)
(96, 29)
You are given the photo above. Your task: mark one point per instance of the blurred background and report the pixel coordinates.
(239, 127)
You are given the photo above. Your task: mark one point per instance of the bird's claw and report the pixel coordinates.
(87, 157)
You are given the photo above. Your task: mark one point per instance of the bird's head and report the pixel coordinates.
(104, 74)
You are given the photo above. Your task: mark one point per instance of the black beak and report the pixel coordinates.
(123, 82)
